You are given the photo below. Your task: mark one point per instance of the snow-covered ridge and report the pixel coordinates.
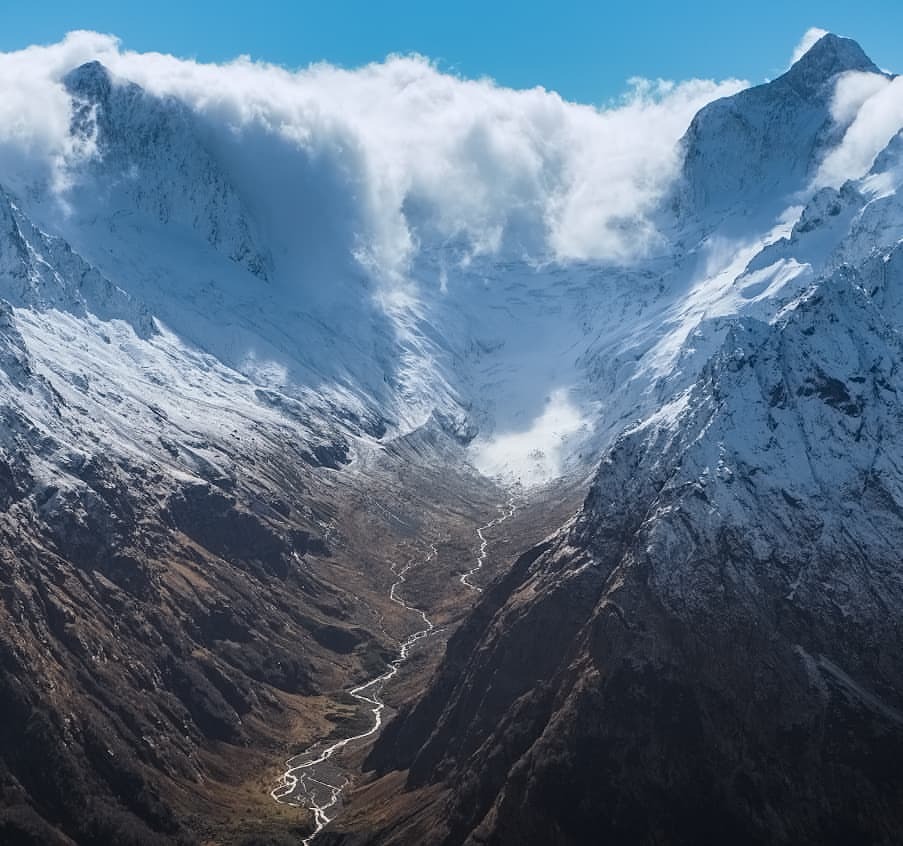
(252, 251)
(146, 155)
(762, 146)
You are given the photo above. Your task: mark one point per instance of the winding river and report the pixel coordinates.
(507, 510)
(314, 779)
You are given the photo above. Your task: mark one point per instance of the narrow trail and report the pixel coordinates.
(313, 779)
(507, 510)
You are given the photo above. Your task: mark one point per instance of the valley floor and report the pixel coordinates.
(416, 543)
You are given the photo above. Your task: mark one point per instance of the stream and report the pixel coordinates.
(313, 779)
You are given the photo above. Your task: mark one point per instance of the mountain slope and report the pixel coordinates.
(761, 146)
(224, 427)
(172, 608)
(714, 642)
(710, 649)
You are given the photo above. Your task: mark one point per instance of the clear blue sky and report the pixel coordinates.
(583, 50)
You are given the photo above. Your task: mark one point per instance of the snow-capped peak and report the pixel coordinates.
(829, 56)
(754, 152)
(90, 81)
(150, 154)
(540, 363)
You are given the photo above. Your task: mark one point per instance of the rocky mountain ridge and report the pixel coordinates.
(216, 442)
(710, 650)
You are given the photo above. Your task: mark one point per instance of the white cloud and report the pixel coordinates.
(852, 91)
(873, 107)
(420, 154)
(808, 40)
(34, 108)
(538, 453)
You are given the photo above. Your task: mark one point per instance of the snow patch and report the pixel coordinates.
(536, 454)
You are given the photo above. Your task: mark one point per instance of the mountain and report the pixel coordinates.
(243, 456)
(761, 146)
(171, 584)
(709, 651)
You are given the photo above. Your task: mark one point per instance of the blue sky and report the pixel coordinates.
(584, 50)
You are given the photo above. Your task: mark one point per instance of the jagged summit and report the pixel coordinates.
(829, 56)
(91, 80)
(196, 456)
(834, 53)
(751, 152)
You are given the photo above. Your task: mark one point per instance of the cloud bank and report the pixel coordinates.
(416, 157)
(872, 106)
(426, 156)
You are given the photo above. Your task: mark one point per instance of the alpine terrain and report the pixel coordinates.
(388, 458)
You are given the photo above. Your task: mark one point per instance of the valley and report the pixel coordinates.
(379, 471)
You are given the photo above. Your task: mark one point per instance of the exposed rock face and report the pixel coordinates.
(135, 636)
(711, 651)
(761, 146)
